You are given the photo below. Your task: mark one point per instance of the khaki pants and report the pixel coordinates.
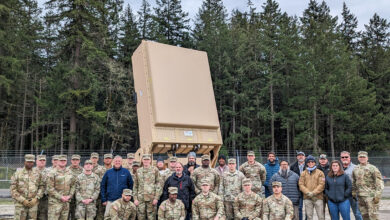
(24, 213)
(108, 206)
(318, 205)
(296, 212)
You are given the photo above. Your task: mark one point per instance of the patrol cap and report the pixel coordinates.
(322, 156)
(127, 192)
(301, 153)
(205, 157)
(130, 156)
(362, 154)
(107, 156)
(172, 190)
(172, 159)
(88, 162)
(246, 181)
(251, 153)
(76, 157)
(276, 183)
(62, 157)
(205, 182)
(55, 157)
(232, 160)
(94, 155)
(41, 157)
(136, 163)
(146, 157)
(29, 158)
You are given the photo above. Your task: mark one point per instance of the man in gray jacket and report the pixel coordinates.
(289, 180)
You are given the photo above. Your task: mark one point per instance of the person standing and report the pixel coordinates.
(107, 161)
(338, 189)
(168, 172)
(172, 209)
(348, 167)
(312, 184)
(122, 208)
(205, 172)
(26, 190)
(99, 171)
(222, 167)
(191, 165)
(134, 169)
(147, 189)
(368, 186)
(289, 180)
(247, 204)
(207, 205)
(298, 167)
(230, 187)
(87, 192)
(75, 169)
(272, 167)
(254, 171)
(129, 162)
(277, 206)
(324, 167)
(43, 202)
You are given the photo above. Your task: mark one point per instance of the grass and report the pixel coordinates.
(6, 201)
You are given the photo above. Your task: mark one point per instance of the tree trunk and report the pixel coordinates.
(234, 124)
(271, 93)
(62, 135)
(24, 114)
(288, 142)
(32, 131)
(315, 130)
(331, 136)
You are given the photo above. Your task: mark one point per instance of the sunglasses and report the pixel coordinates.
(344, 157)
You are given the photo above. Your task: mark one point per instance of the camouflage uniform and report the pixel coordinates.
(43, 202)
(257, 173)
(128, 166)
(121, 210)
(367, 185)
(26, 186)
(206, 207)
(87, 187)
(278, 209)
(99, 171)
(75, 171)
(249, 206)
(201, 173)
(147, 187)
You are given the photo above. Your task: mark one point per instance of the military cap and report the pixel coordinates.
(107, 156)
(41, 157)
(29, 158)
(146, 157)
(172, 190)
(136, 163)
(323, 156)
(251, 153)
(127, 192)
(62, 157)
(76, 157)
(362, 154)
(276, 183)
(205, 157)
(130, 156)
(246, 181)
(231, 160)
(55, 157)
(88, 162)
(172, 159)
(94, 155)
(205, 182)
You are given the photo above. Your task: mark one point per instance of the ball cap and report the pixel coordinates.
(205, 157)
(55, 157)
(246, 181)
(41, 157)
(276, 183)
(172, 190)
(146, 157)
(251, 153)
(323, 156)
(76, 157)
(62, 157)
(130, 156)
(127, 192)
(172, 159)
(107, 156)
(94, 155)
(232, 161)
(29, 158)
(88, 162)
(136, 163)
(362, 154)
(301, 153)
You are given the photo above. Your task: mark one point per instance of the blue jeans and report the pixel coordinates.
(355, 208)
(339, 208)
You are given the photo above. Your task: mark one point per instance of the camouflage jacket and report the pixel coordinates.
(87, 187)
(74, 171)
(44, 172)
(60, 183)
(249, 206)
(26, 185)
(207, 207)
(99, 171)
(278, 209)
(201, 173)
(121, 210)
(147, 184)
(256, 172)
(165, 175)
(169, 211)
(231, 185)
(367, 181)
(128, 166)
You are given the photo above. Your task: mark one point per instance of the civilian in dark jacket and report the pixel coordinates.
(113, 183)
(191, 165)
(290, 188)
(186, 189)
(338, 188)
(272, 167)
(324, 167)
(298, 167)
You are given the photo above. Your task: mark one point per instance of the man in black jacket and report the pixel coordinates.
(324, 167)
(191, 165)
(298, 167)
(186, 189)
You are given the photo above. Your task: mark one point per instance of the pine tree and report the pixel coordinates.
(130, 38)
(145, 21)
(348, 28)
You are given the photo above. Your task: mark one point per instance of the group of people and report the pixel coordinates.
(139, 190)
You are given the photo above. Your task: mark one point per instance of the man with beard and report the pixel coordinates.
(222, 167)
(205, 172)
(298, 167)
(122, 208)
(272, 167)
(172, 209)
(324, 167)
(191, 165)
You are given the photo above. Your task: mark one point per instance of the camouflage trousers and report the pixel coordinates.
(42, 208)
(58, 210)
(24, 213)
(72, 208)
(100, 209)
(229, 210)
(368, 208)
(85, 211)
(146, 210)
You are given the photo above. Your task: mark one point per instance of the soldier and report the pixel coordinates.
(277, 206)
(122, 208)
(75, 169)
(172, 208)
(254, 171)
(147, 189)
(99, 171)
(87, 192)
(61, 187)
(207, 205)
(205, 172)
(231, 186)
(168, 172)
(107, 161)
(248, 205)
(26, 189)
(130, 160)
(367, 185)
(134, 169)
(54, 162)
(43, 202)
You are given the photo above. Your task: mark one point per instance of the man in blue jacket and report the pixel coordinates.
(272, 167)
(114, 181)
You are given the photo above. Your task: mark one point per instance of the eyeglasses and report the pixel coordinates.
(344, 157)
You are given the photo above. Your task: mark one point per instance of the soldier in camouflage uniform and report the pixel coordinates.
(129, 163)
(248, 205)
(231, 186)
(172, 208)
(87, 192)
(75, 169)
(134, 169)
(122, 208)
(147, 189)
(99, 171)
(107, 161)
(54, 162)
(61, 187)
(26, 189)
(254, 171)
(168, 172)
(277, 206)
(207, 205)
(205, 172)
(367, 185)
(43, 202)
